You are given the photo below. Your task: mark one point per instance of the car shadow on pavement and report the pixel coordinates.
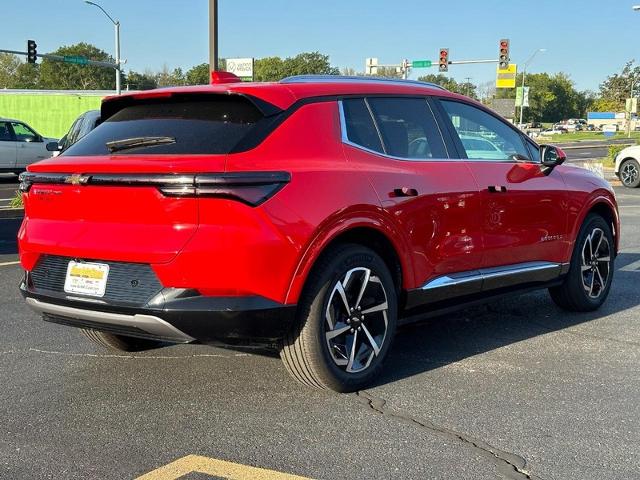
(8, 179)
(440, 341)
(8, 232)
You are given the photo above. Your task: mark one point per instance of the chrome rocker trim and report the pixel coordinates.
(148, 323)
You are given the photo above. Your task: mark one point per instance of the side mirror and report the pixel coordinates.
(551, 156)
(52, 147)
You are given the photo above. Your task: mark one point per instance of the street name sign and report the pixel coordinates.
(421, 64)
(77, 59)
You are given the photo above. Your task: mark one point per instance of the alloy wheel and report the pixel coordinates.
(596, 263)
(629, 174)
(356, 320)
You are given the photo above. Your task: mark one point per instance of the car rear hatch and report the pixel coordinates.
(127, 190)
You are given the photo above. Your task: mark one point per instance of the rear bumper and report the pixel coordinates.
(173, 315)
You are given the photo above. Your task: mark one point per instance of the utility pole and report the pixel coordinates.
(468, 79)
(213, 35)
(524, 74)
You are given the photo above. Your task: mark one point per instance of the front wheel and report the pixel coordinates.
(345, 323)
(587, 284)
(630, 173)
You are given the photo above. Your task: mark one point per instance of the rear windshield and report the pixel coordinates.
(211, 124)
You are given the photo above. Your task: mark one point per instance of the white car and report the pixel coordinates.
(20, 145)
(627, 167)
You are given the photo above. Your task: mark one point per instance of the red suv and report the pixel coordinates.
(312, 215)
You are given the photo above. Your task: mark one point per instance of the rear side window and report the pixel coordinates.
(408, 128)
(207, 125)
(360, 127)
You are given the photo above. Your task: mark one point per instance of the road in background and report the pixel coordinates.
(515, 389)
(8, 187)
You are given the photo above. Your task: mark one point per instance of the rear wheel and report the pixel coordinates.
(345, 323)
(119, 343)
(587, 284)
(630, 173)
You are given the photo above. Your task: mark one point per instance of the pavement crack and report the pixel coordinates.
(510, 465)
(125, 357)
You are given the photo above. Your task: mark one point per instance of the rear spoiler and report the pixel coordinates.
(111, 105)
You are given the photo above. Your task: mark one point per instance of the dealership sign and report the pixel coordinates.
(241, 67)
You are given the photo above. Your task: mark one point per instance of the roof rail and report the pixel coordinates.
(347, 78)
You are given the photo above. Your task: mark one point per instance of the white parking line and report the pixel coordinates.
(632, 267)
(5, 264)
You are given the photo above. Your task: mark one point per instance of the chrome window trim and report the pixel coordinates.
(346, 141)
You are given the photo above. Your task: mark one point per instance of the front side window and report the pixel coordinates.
(483, 136)
(408, 128)
(24, 133)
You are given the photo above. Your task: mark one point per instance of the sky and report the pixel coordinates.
(588, 39)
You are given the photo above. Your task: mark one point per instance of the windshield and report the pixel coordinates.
(210, 125)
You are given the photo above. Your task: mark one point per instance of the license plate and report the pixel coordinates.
(86, 278)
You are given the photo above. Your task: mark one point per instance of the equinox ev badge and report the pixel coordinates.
(77, 179)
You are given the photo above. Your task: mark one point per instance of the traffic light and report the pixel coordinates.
(503, 56)
(443, 61)
(32, 53)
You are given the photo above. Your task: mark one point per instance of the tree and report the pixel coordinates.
(170, 78)
(387, 72)
(140, 81)
(198, 75)
(272, 69)
(465, 88)
(67, 76)
(27, 76)
(9, 64)
(617, 88)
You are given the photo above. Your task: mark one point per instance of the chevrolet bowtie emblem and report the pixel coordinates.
(77, 179)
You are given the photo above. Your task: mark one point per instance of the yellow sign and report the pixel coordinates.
(506, 78)
(215, 468)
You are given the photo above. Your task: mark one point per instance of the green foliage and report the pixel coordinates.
(16, 201)
(614, 150)
(198, 75)
(8, 68)
(140, 81)
(464, 88)
(617, 88)
(66, 76)
(272, 69)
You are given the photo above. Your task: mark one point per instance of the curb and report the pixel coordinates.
(7, 213)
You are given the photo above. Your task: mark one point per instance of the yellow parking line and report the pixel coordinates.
(211, 466)
(4, 264)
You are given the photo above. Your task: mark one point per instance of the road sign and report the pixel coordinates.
(632, 105)
(506, 78)
(241, 67)
(609, 130)
(77, 59)
(421, 63)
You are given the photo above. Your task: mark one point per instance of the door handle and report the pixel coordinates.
(405, 192)
(497, 188)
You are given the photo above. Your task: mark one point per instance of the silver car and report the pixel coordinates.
(20, 145)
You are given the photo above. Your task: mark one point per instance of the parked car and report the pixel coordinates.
(79, 128)
(312, 216)
(627, 167)
(20, 145)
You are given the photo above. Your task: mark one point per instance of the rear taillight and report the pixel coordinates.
(252, 188)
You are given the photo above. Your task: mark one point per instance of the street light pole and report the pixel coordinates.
(524, 74)
(116, 24)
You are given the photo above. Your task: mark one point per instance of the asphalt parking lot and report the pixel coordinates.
(516, 389)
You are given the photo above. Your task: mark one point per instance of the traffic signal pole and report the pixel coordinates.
(213, 36)
(61, 58)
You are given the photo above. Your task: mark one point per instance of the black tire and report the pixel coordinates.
(119, 343)
(630, 173)
(306, 350)
(584, 289)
